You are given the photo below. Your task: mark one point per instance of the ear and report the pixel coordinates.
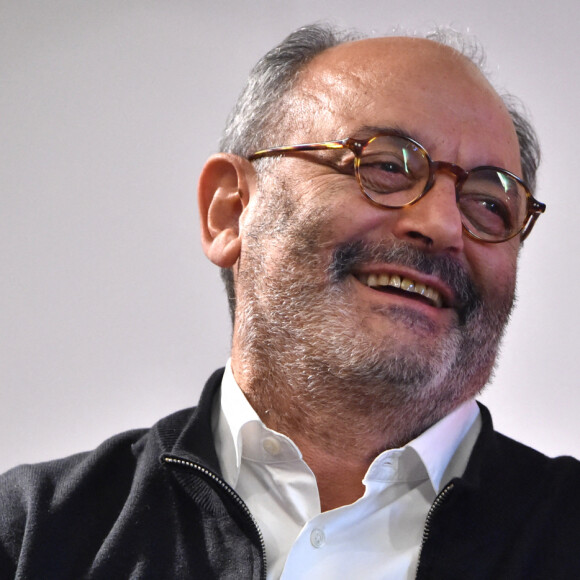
(223, 193)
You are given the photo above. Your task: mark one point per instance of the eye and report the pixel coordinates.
(493, 206)
(487, 213)
(386, 174)
(492, 201)
(389, 167)
(388, 161)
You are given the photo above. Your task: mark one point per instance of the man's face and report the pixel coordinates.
(313, 245)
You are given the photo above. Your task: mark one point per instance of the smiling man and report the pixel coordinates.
(367, 211)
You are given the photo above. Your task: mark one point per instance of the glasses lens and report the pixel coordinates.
(493, 204)
(393, 171)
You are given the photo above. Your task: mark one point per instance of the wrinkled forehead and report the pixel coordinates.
(423, 87)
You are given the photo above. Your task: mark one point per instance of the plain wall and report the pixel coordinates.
(110, 315)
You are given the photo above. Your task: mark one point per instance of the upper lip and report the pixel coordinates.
(447, 296)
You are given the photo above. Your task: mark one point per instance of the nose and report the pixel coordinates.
(433, 222)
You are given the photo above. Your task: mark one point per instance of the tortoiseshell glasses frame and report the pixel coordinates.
(394, 171)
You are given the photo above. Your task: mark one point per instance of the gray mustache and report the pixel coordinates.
(348, 256)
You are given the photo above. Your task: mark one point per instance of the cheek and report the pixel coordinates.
(350, 216)
(494, 266)
(318, 208)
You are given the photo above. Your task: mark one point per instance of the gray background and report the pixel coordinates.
(110, 316)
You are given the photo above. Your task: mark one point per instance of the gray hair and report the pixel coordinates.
(253, 122)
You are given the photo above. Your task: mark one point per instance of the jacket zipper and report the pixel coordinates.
(233, 495)
(434, 507)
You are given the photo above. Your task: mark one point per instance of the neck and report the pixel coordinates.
(338, 436)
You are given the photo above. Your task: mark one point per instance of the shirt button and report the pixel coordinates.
(271, 445)
(317, 538)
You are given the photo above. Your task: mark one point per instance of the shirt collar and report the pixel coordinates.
(444, 448)
(231, 412)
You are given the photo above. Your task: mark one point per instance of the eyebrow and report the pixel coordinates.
(367, 131)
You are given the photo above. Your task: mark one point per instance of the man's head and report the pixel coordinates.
(259, 117)
(315, 262)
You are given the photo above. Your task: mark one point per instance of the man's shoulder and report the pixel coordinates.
(48, 473)
(559, 472)
(115, 495)
(113, 464)
(512, 456)
(120, 454)
(517, 477)
(54, 502)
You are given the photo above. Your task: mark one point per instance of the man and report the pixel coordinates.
(367, 211)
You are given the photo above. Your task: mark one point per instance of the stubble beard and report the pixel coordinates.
(311, 365)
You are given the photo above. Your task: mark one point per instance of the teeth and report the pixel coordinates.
(395, 281)
(384, 280)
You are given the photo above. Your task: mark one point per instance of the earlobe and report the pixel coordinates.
(223, 193)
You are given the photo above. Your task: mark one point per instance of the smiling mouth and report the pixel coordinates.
(403, 286)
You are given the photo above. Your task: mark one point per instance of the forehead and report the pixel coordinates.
(426, 89)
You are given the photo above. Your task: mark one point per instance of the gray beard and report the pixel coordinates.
(307, 366)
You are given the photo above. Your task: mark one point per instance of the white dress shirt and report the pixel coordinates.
(377, 536)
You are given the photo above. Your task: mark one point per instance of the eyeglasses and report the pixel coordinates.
(395, 171)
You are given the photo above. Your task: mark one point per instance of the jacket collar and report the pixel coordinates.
(188, 434)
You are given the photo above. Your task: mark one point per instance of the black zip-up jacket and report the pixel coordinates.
(151, 504)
